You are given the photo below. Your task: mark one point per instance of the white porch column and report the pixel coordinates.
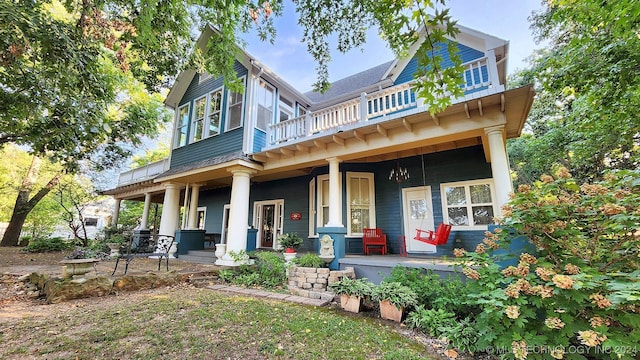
(238, 215)
(170, 212)
(499, 165)
(193, 207)
(145, 212)
(116, 213)
(335, 198)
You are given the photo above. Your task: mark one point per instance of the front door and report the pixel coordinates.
(268, 221)
(417, 214)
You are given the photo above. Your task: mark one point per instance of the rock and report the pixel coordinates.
(146, 281)
(61, 290)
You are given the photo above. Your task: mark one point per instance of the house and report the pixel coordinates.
(248, 167)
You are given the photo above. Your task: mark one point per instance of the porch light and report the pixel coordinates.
(399, 173)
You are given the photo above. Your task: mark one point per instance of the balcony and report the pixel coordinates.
(143, 173)
(480, 79)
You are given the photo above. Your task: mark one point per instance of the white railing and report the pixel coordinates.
(144, 172)
(479, 74)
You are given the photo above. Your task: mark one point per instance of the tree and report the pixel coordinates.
(74, 77)
(73, 195)
(589, 86)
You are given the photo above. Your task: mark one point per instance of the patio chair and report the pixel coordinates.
(374, 239)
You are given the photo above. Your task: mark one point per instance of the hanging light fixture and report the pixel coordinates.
(398, 174)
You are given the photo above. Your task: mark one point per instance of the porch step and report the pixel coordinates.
(199, 257)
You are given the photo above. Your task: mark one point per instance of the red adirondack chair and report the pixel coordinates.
(374, 238)
(438, 237)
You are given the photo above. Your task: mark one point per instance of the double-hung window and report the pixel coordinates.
(235, 109)
(265, 96)
(215, 111)
(468, 204)
(285, 109)
(360, 200)
(200, 108)
(182, 125)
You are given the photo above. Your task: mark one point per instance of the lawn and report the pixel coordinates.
(185, 322)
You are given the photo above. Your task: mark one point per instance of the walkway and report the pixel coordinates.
(269, 295)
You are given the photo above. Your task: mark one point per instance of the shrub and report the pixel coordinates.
(580, 291)
(269, 271)
(397, 294)
(290, 240)
(309, 260)
(431, 291)
(431, 320)
(354, 287)
(48, 244)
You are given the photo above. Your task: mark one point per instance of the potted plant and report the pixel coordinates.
(290, 242)
(394, 298)
(352, 292)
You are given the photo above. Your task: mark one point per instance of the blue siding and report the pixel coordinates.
(449, 166)
(259, 140)
(223, 143)
(465, 52)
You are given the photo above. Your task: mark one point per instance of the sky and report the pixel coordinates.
(505, 19)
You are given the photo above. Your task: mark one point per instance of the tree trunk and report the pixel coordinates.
(24, 205)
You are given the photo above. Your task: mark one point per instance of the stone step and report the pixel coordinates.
(205, 253)
(198, 259)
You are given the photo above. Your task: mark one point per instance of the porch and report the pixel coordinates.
(376, 267)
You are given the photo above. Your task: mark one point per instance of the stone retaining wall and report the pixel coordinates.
(314, 282)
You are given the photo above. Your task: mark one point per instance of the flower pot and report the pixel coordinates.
(115, 249)
(288, 256)
(351, 303)
(76, 268)
(390, 312)
(221, 249)
(290, 250)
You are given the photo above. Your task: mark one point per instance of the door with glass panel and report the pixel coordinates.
(417, 214)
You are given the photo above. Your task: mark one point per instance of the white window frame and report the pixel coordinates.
(228, 113)
(180, 125)
(468, 205)
(202, 77)
(207, 123)
(203, 210)
(278, 221)
(312, 208)
(274, 97)
(285, 108)
(320, 221)
(372, 202)
(301, 110)
(194, 120)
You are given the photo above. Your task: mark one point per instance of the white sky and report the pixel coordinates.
(505, 19)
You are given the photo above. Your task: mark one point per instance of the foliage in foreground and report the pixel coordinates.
(269, 271)
(197, 324)
(580, 292)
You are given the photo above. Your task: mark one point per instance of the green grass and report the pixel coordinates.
(189, 323)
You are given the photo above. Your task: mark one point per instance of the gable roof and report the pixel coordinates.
(351, 84)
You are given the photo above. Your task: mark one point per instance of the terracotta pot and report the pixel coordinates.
(351, 303)
(390, 312)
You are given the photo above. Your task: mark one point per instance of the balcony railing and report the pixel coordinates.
(480, 77)
(143, 173)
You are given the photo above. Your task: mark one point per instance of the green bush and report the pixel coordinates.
(397, 294)
(431, 291)
(580, 292)
(48, 244)
(431, 320)
(309, 260)
(269, 271)
(354, 287)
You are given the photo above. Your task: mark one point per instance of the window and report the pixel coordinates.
(203, 77)
(265, 98)
(90, 221)
(301, 110)
(215, 109)
(312, 207)
(468, 204)
(323, 200)
(200, 108)
(360, 199)
(181, 125)
(285, 109)
(202, 216)
(235, 107)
